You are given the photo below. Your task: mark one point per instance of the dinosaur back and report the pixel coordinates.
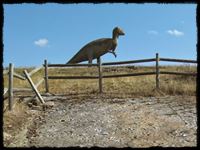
(93, 49)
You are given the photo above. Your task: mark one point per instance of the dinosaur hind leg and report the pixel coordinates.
(90, 61)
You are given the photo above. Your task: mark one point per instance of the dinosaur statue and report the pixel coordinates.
(97, 48)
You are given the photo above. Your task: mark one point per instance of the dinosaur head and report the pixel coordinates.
(117, 32)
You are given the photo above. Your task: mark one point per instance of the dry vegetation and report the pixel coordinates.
(138, 86)
(117, 87)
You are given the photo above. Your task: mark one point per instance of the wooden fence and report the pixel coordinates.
(10, 90)
(100, 76)
(11, 74)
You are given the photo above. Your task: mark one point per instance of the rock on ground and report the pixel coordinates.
(168, 121)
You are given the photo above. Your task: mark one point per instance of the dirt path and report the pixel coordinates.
(145, 122)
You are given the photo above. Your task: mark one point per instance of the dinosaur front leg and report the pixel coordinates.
(113, 52)
(90, 57)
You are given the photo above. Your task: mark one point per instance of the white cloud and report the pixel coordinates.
(175, 33)
(41, 42)
(153, 32)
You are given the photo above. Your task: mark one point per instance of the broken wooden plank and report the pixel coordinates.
(5, 91)
(19, 76)
(35, 70)
(33, 87)
(39, 82)
(21, 89)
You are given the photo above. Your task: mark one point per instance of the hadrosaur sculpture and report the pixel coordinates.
(97, 48)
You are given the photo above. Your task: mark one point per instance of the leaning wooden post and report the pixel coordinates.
(157, 71)
(11, 71)
(46, 76)
(33, 87)
(100, 74)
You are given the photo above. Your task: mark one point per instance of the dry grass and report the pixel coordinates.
(14, 121)
(119, 87)
(138, 86)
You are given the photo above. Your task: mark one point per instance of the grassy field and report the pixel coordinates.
(115, 87)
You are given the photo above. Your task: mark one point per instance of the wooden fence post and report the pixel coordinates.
(157, 71)
(10, 88)
(46, 76)
(100, 74)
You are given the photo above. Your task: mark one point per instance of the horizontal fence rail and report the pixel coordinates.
(104, 76)
(128, 75)
(178, 60)
(100, 75)
(71, 65)
(122, 75)
(128, 62)
(178, 73)
(73, 77)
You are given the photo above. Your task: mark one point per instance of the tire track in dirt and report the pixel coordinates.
(139, 122)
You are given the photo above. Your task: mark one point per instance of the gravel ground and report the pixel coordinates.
(168, 121)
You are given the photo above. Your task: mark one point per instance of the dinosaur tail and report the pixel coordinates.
(73, 60)
(78, 57)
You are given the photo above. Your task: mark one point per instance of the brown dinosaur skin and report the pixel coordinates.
(97, 48)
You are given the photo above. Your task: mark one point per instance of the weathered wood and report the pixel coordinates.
(33, 87)
(178, 73)
(128, 62)
(70, 65)
(157, 71)
(21, 89)
(39, 82)
(10, 86)
(103, 76)
(5, 91)
(5, 72)
(19, 76)
(35, 70)
(46, 76)
(128, 75)
(100, 74)
(178, 60)
(73, 77)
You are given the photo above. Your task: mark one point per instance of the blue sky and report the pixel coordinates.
(34, 32)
